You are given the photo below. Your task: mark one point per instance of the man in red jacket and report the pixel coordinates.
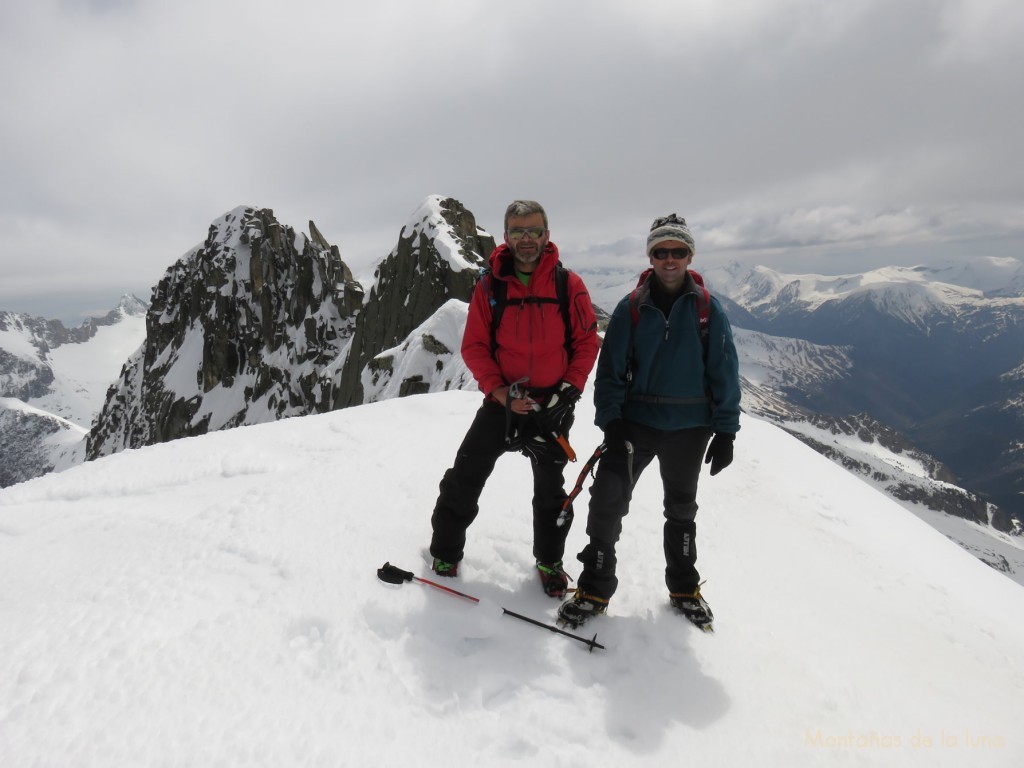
(532, 370)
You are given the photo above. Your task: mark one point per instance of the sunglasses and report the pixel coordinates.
(517, 232)
(676, 253)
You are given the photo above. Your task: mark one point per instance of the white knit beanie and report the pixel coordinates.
(669, 227)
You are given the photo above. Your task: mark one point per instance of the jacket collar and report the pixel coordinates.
(644, 294)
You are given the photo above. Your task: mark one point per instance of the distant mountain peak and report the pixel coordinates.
(128, 306)
(438, 257)
(452, 229)
(245, 328)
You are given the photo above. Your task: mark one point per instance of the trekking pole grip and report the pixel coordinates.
(392, 574)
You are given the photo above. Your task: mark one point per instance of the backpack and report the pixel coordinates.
(703, 316)
(498, 290)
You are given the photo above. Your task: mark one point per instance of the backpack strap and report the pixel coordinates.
(634, 320)
(497, 292)
(562, 292)
(703, 311)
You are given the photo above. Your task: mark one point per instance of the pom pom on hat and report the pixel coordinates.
(669, 227)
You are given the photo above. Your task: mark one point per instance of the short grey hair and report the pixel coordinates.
(520, 208)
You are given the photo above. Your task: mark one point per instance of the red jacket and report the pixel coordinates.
(531, 337)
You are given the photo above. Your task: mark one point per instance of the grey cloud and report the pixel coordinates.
(770, 125)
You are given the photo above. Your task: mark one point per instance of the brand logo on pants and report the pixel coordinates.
(686, 544)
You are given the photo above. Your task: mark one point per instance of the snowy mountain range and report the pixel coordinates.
(214, 601)
(52, 383)
(935, 359)
(260, 322)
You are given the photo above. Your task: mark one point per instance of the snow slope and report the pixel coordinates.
(431, 355)
(213, 601)
(84, 371)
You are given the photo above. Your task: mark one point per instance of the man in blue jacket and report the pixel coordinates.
(667, 383)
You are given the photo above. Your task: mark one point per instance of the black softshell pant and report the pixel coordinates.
(460, 488)
(679, 455)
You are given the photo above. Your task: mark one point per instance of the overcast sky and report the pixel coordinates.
(804, 134)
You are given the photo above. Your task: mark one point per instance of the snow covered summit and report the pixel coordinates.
(239, 331)
(213, 601)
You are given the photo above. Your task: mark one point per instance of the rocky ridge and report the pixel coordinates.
(438, 257)
(261, 323)
(239, 331)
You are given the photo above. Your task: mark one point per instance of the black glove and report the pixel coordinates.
(537, 449)
(719, 454)
(560, 404)
(615, 436)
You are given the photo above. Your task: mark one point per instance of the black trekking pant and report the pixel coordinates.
(679, 454)
(460, 488)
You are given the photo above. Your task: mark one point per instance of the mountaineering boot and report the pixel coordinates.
(553, 578)
(579, 608)
(694, 607)
(441, 568)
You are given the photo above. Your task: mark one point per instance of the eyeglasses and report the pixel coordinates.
(676, 253)
(517, 232)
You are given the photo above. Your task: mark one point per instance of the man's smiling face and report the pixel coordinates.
(671, 271)
(527, 237)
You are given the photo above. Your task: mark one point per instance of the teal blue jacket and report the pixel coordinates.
(672, 387)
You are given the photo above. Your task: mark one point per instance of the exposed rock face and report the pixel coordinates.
(246, 328)
(21, 377)
(32, 441)
(438, 257)
(260, 323)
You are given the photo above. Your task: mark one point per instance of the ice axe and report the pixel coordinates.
(565, 516)
(516, 393)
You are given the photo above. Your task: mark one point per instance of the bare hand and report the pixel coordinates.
(522, 405)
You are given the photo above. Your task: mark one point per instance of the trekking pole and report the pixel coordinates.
(395, 575)
(565, 515)
(592, 643)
